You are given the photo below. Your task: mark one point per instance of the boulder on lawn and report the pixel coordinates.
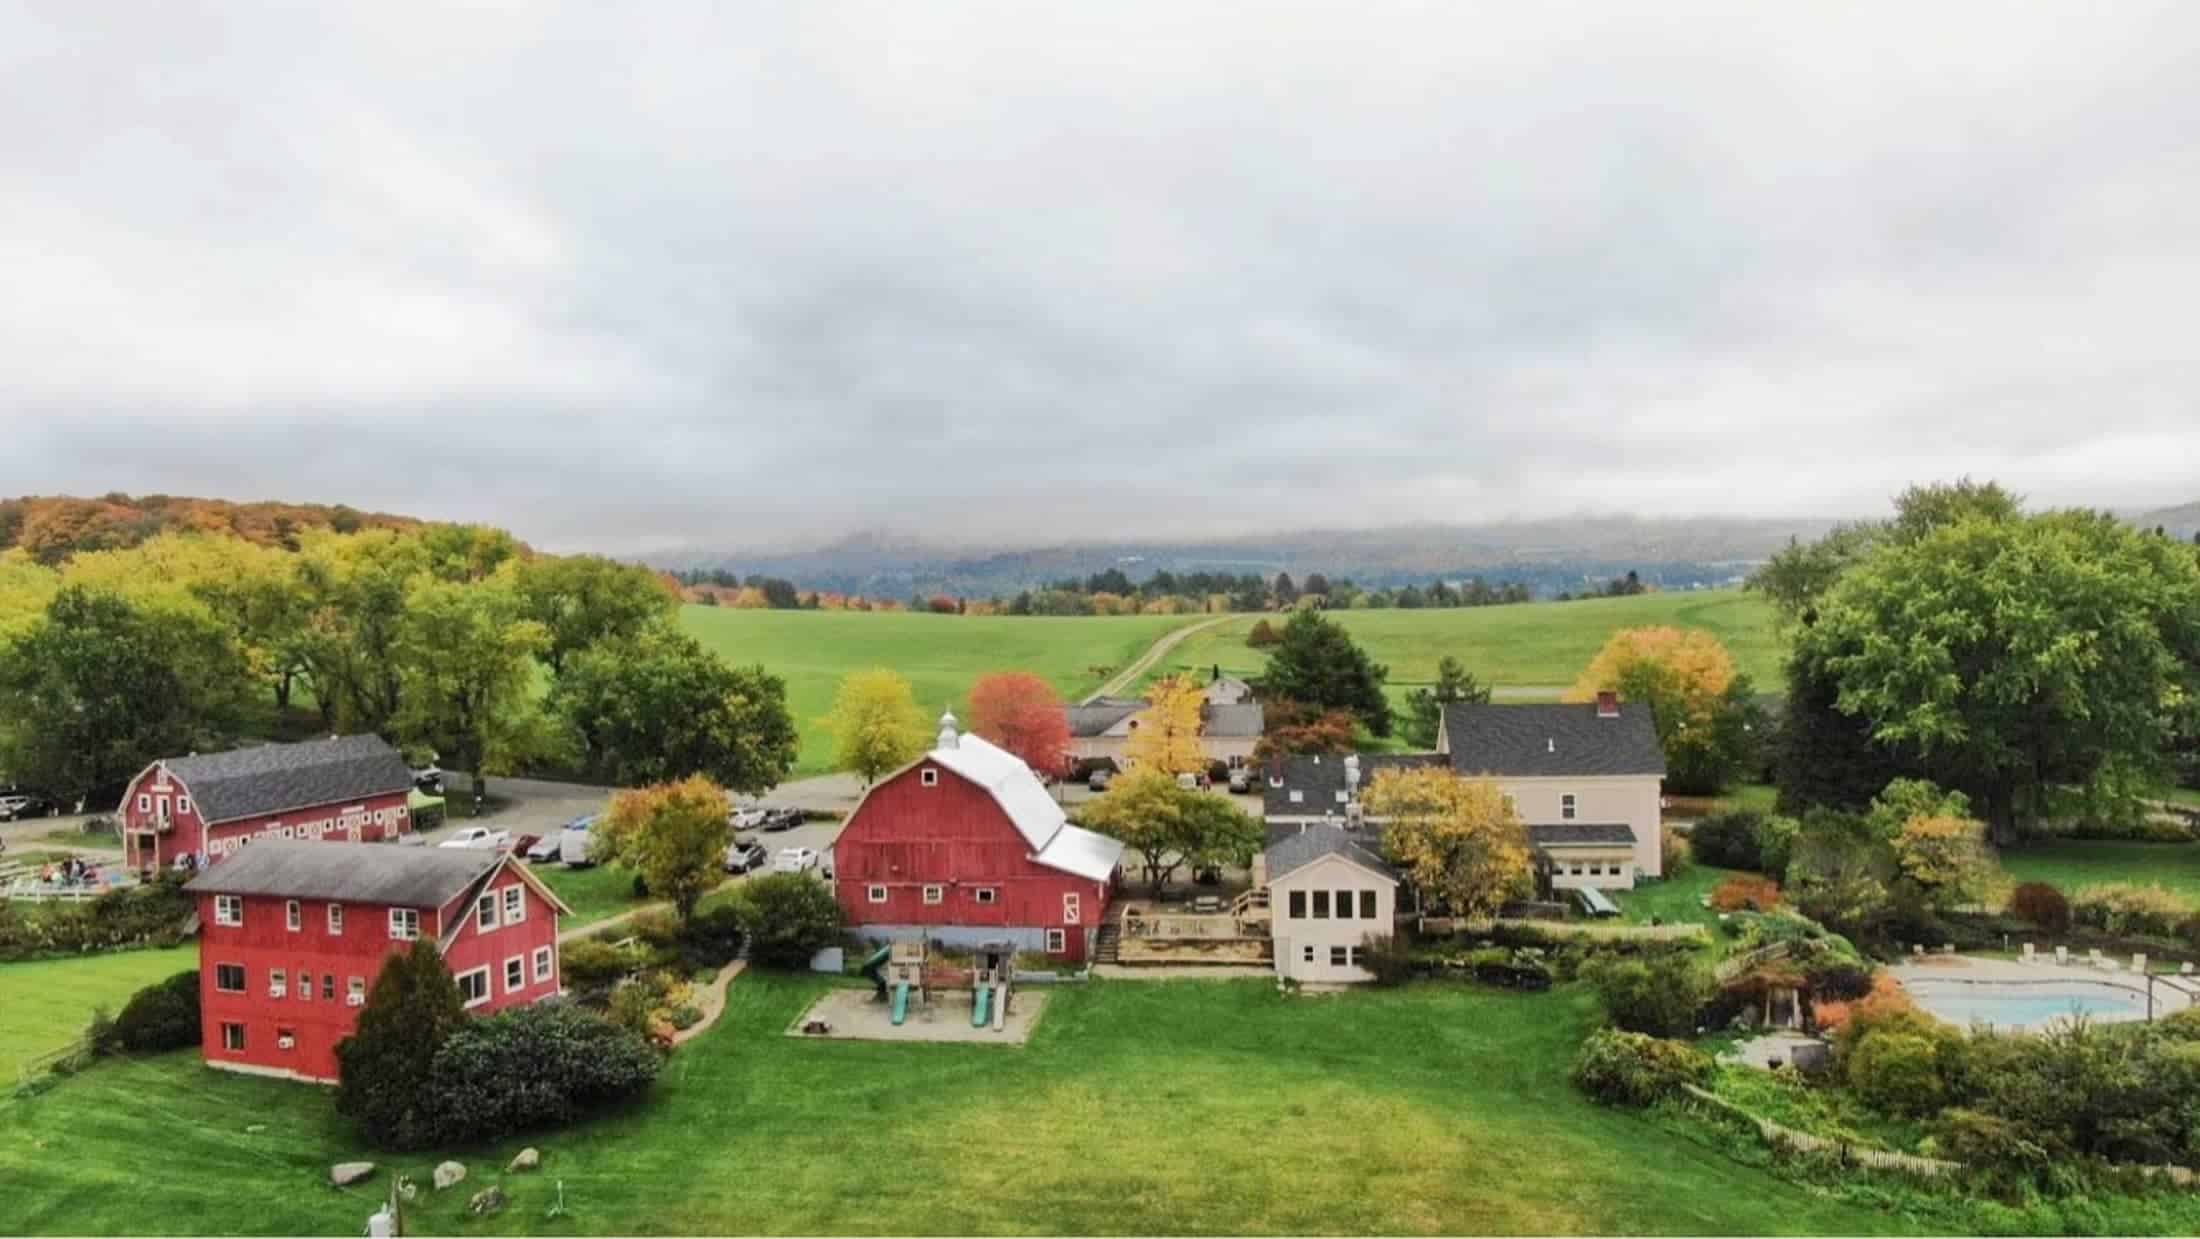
(487, 1200)
(529, 1158)
(344, 1174)
(449, 1173)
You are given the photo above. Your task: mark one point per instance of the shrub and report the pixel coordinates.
(1754, 894)
(1518, 968)
(1776, 844)
(592, 965)
(711, 938)
(1989, 1142)
(2125, 908)
(2041, 904)
(162, 1016)
(1263, 635)
(789, 917)
(644, 1005)
(1388, 957)
(1660, 996)
(1728, 840)
(530, 1067)
(155, 914)
(1630, 1069)
(1675, 856)
(412, 1009)
(1837, 980)
(659, 927)
(428, 817)
(1897, 1072)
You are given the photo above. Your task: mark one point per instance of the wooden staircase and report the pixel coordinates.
(1108, 949)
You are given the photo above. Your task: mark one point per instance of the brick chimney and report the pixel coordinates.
(1607, 704)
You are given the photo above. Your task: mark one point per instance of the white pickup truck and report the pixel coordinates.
(478, 837)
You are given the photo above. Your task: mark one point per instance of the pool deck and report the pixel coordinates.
(2171, 992)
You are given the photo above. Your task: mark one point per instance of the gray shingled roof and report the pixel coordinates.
(1095, 718)
(1297, 851)
(1543, 741)
(1244, 720)
(276, 778)
(1561, 834)
(1320, 777)
(384, 873)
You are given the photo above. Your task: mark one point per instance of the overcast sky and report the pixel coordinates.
(718, 275)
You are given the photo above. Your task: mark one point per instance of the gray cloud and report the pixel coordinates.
(704, 275)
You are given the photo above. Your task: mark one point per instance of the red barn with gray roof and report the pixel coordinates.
(209, 805)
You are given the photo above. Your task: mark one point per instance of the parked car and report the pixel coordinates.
(522, 844)
(1098, 780)
(478, 837)
(795, 860)
(745, 857)
(544, 848)
(17, 807)
(748, 818)
(576, 845)
(785, 819)
(1241, 780)
(429, 779)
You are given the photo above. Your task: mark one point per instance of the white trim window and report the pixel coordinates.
(294, 916)
(515, 974)
(934, 895)
(233, 1038)
(473, 985)
(1070, 907)
(229, 978)
(145, 803)
(183, 805)
(928, 777)
(986, 894)
(546, 963)
(485, 912)
(1057, 942)
(875, 893)
(515, 904)
(1566, 807)
(229, 909)
(277, 983)
(336, 920)
(404, 924)
(355, 992)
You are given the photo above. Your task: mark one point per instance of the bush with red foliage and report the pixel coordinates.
(2041, 904)
(1754, 894)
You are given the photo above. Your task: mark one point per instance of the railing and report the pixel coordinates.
(1186, 925)
(1256, 898)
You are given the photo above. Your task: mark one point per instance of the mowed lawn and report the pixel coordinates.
(940, 654)
(2073, 863)
(1138, 1107)
(45, 1004)
(1533, 645)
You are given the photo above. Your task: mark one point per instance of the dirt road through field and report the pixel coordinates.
(1127, 678)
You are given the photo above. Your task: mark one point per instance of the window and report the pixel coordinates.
(404, 924)
(1342, 796)
(545, 963)
(876, 894)
(305, 986)
(929, 777)
(1069, 907)
(229, 978)
(355, 992)
(485, 912)
(183, 804)
(473, 986)
(278, 984)
(986, 894)
(934, 894)
(1297, 796)
(1566, 806)
(1337, 956)
(233, 1037)
(145, 803)
(1344, 905)
(1307, 954)
(515, 974)
(336, 920)
(1057, 942)
(293, 918)
(515, 905)
(285, 1038)
(228, 910)
(328, 986)
(1321, 905)
(1367, 905)
(1298, 905)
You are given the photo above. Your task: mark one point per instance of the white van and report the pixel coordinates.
(574, 844)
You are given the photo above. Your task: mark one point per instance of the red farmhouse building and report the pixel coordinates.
(292, 933)
(964, 846)
(209, 805)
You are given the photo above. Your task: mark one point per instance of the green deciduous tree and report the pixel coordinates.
(587, 600)
(1170, 826)
(789, 917)
(1317, 664)
(467, 667)
(673, 834)
(876, 724)
(658, 706)
(97, 687)
(384, 1065)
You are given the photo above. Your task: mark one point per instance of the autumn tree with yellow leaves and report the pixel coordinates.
(1165, 735)
(1458, 840)
(1706, 716)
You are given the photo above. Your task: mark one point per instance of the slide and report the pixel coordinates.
(1000, 1006)
(875, 968)
(978, 1007)
(901, 1002)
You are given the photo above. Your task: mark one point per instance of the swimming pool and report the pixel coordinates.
(2025, 1005)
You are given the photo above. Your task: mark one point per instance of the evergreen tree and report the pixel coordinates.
(411, 1011)
(1317, 664)
(1425, 706)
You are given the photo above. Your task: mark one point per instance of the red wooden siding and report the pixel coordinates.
(368, 820)
(906, 836)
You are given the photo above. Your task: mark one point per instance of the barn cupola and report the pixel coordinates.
(949, 739)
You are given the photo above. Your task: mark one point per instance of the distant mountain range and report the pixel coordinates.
(2182, 521)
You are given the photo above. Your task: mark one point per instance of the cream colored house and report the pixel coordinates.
(1102, 729)
(1587, 779)
(1328, 891)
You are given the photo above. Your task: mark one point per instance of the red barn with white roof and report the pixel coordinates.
(963, 846)
(209, 805)
(292, 935)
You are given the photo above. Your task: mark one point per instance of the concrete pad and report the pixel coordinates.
(854, 1015)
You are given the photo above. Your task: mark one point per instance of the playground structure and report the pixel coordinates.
(900, 970)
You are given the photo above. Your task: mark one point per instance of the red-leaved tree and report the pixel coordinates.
(1023, 714)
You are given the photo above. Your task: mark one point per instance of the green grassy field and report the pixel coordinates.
(1155, 1108)
(2072, 863)
(44, 1004)
(594, 894)
(940, 654)
(1537, 645)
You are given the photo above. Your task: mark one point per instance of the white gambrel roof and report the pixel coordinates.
(1053, 841)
